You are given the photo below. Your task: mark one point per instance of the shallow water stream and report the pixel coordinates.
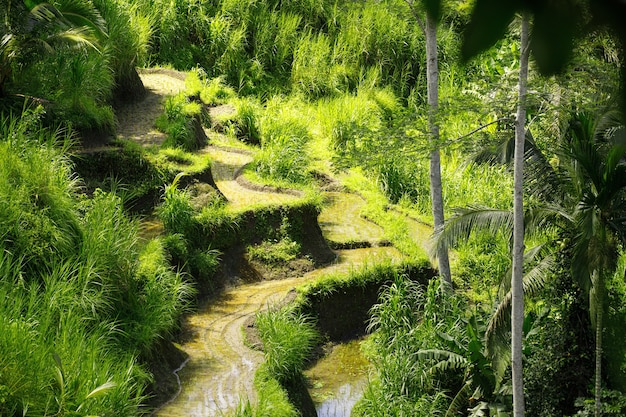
(220, 369)
(337, 380)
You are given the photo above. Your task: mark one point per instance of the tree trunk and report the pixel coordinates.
(517, 289)
(599, 282)
(436, 193)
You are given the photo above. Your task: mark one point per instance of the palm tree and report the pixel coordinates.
(583, 196)
(598, 218)
(517, 292)
(38, 26)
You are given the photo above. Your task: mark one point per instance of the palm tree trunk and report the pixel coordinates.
(436, 193)
(517, 289)
(599, 328)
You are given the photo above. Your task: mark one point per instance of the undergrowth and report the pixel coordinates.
(84, 299)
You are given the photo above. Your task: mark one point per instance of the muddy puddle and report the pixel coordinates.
(336, 381)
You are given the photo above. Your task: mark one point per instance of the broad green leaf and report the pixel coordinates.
(489, 22)
(552, 40)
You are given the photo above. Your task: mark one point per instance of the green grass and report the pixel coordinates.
(273, 400)
(275, 252)
(85, 300)
(409, 318)
(244, 123)
(377, 210)
(288, 340)
(177, 121)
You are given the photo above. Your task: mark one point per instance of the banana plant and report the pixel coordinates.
(484, 389)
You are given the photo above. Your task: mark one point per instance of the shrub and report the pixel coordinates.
(288, 339)
(177, 122)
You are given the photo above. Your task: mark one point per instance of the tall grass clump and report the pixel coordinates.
(180, 122)
(127, 44)
(176, 212)
(431, 356)
(186, 240)
(476, 184)
(37, 191)
(288, 340)
(51, 363)
(284, 137)
(84, 299)
(272, 399)
(145, 296)
(244, 123)
(351, 122)
(211, 92)
(77, 72)
(385, 38)
(406, 321)
(76, 84)
(312, 65)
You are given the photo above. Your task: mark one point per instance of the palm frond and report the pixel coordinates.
(460, 400)
(444, 359)
(609, 124)
(466, 220)
(534, 280)
(541, 179)
(82, 13)
(5, 42)
(79, 35)
(73, 28)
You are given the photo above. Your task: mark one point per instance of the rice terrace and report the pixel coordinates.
(244, 208)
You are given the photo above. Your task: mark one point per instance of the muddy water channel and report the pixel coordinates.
(337, 380)
(219, 372)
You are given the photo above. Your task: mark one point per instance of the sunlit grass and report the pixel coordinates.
(288, 339)
(84, 300)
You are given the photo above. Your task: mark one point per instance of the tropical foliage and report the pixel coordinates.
(84, 299)
(324, 94)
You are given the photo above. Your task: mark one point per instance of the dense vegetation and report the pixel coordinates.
(320, 89)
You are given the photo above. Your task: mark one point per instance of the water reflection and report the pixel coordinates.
(343, 401)
(338, 379)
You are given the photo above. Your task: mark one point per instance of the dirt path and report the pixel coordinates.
(225, 167)
(136, 121)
